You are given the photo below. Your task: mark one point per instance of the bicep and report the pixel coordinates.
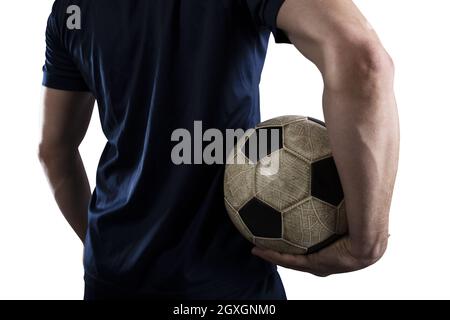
(66, 117)
(319, 28)
(67, 102)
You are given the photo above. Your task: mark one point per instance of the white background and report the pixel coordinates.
(40, 257)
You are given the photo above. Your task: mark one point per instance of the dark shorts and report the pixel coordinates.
(270, 288)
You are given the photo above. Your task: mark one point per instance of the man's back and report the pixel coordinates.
(156, 66)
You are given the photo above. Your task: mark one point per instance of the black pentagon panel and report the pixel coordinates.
(317, 121)
(325, 182)
(263, 142)
(262, 220)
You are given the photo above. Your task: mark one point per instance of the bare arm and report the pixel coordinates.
(362, 121)
(65, 121)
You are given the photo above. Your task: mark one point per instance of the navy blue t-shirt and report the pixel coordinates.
(155, 66)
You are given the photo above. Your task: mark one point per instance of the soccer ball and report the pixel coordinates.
(288, 198)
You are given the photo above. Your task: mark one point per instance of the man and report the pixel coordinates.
(152, 229)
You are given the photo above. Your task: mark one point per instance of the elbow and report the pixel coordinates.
(45, 154)
(360, 66)
(369, 253)
(48, 153)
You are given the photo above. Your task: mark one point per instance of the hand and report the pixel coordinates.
(336, 258)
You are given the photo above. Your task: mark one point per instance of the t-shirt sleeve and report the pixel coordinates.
(60, 72)
(265, 13)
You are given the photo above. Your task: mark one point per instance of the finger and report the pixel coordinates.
(302, 263)
(297, 262)
(282, 257)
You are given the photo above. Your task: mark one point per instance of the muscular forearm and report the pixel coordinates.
(70, 185)
(362, 122)
(363, 127)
